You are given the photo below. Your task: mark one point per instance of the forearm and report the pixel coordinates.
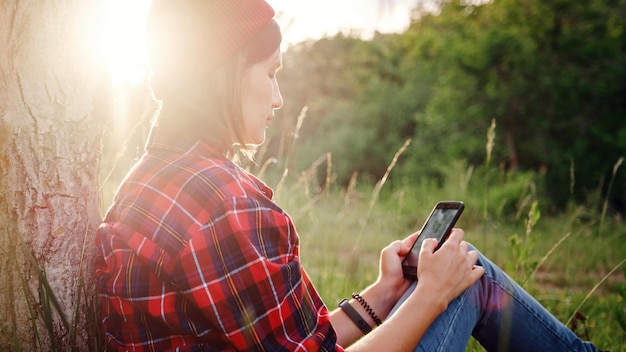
(443, 276)
(381, 302)
(403, 330)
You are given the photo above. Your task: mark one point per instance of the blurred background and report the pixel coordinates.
(549, 75)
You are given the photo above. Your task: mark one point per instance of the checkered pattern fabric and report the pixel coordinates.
(195, 256)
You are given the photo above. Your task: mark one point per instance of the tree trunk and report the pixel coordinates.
(49, 161)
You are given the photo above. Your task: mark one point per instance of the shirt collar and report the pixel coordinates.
(161, 141)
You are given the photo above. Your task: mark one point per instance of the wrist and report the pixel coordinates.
(354, 316)
(388, 293)
(430, 297)
(367, 307)
(381, 298)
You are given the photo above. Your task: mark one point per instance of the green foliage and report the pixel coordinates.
(620, 310)
(522, 247)
(340, 245)
(346, 227)
(551, 73)
(46, 315)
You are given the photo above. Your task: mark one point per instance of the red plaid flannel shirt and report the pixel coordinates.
(195, 256)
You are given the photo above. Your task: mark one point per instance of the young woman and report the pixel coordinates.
(195, 256)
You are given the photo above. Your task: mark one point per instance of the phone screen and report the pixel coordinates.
(438, 226)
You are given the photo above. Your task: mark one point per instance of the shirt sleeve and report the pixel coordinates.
(242, 273)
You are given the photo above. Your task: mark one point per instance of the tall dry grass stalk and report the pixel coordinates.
(608, 192)
(311, 172)
(281, 182)
(296, 133)
(379, 187)
(491, 141)
(572, 178)
(383, 180)
(548, 254)
(594, 290)
(265, 165)
(350, 192)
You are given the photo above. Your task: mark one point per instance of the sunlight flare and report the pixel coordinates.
(123, 43)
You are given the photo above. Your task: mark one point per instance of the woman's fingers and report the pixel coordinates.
(452, 268)
(429, 245)
(456, 236)
(409, 240)
(464, 246)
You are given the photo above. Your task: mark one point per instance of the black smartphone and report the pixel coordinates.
(438, 225)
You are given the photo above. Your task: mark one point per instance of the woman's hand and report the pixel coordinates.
(390, 274)
(380, 296)
(443, 275)
(450, 270)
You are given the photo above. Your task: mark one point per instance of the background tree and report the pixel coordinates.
(49, 165)
(550, 73)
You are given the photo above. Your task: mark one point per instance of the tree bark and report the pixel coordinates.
(50, 151)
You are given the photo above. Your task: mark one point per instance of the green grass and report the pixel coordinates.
(563, 260)
(340, 245)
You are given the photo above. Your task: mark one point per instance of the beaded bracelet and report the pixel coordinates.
(355, 316)
(367, 307)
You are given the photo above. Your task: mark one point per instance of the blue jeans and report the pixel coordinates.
(501, 316)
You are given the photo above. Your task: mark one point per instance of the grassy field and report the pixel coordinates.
(572, 262)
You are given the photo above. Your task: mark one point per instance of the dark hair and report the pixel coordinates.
(266, 42)
(208, 108)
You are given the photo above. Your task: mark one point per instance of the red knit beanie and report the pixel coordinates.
(188, 38)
